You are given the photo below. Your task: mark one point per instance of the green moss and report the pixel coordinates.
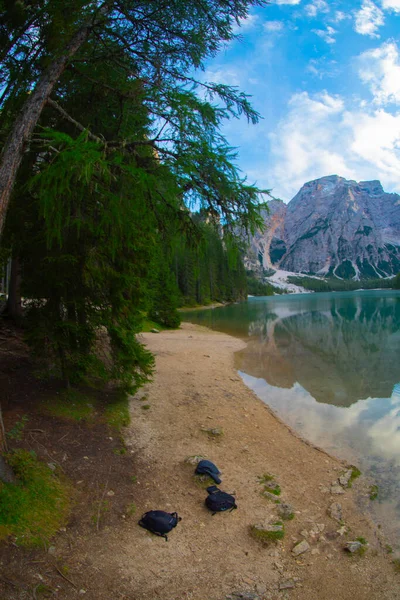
(145, 406)
(37, 506)
(134, 478)
(265, 478)
(267, 481)
(116, 411)
(373, 492)
(275, 533)
(203, 481)
(42, 591)
(355, 473)
(70, 404)
(120, 451)
(362, 540)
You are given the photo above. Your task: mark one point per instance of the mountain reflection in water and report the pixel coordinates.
(346, 350)
(328, 365)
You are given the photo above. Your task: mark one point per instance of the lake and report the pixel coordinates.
(329, 366)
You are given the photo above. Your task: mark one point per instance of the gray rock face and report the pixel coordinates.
(333, 226)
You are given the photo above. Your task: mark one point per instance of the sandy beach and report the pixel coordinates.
(196, 389)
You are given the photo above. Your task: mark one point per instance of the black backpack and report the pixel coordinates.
(159, 522)
(218, 501)
(206, 467)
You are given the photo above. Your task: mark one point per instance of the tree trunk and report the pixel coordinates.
(13, 307)
(28, 117)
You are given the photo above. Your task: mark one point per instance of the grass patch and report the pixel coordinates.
(70, 404)
(272, 533)
(116, 411)
(134, 478)
(355, 473)
(373, 492)
(203, 481)
(37, 506)
(145, 406)
(148, 325)
(269, 484)
(16, 432)
(362, 540)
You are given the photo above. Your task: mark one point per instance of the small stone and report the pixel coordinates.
(51, 550)
(154, 330)
(315, 551)
(270, 496)
(335, 511)
(52, 466)
(345, 478)
(300, 548)
(215, 431)
(304, 533)
(353, 546)
(343, 530)
(331, 535)
(261, 588)
(86, 458)
(285, 511)
(82, 591)
(337, 489)
(289, 584)
(110, 493)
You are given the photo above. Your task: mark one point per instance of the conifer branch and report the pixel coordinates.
(68, 117)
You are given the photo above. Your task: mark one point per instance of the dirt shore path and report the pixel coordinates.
(208, 557)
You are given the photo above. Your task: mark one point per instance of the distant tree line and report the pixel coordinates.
(209, 269)
(334, 284)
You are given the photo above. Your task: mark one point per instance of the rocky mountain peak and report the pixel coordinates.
(333, 226)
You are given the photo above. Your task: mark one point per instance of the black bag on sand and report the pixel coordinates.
(206, 467)
(218, 501)
(159, 522)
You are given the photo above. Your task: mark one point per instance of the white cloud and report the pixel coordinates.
(326, 34)
(321, 67)
(224, 76)
(245, 24)
(273, 26)
(368, 19)
(340, 16)
(287, 1)
(380, 70)
(320, 136)
(315, 7)
(391, 5)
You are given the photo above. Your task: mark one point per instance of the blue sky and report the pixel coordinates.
(325, 76)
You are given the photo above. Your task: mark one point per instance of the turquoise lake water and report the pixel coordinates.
(329, 366)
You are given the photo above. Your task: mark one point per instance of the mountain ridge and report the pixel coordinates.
(331, 227)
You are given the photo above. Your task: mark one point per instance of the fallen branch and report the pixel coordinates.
(64, 576)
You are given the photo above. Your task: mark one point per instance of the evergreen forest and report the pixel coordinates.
(119, 196)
